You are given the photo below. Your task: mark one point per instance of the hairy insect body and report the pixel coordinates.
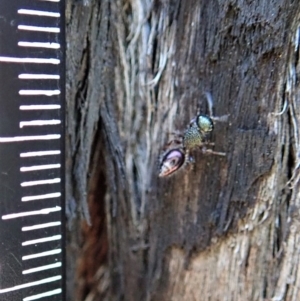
(192, 138)
(197, 133)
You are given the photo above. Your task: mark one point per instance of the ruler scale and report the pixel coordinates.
(32, 150)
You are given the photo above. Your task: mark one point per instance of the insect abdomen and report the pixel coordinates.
(192, 138)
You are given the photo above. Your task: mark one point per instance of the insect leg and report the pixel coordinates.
(210, 151)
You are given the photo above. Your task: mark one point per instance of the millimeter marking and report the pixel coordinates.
(39, 28)
(41, 240)
(40, 182)
(39, 122)
(29, 213)
(41, 197)
(29, 138)
(43, 268)
(41, 226)
(38, 13)
(38, 76)
(39, 167)
(39, 107)
(22, 60)
(42, 254)
(42, 295)
(39, 92)
(40, 153)
(39, 44)
(34, 283)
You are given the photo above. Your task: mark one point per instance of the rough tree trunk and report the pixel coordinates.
(229, 228)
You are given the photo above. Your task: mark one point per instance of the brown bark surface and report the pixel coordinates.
(227, 229)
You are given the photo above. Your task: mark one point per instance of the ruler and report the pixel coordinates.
(32, 150)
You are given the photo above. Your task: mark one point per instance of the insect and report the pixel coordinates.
(176, 154)
(200, 127)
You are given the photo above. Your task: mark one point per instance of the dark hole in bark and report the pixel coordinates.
(92, 264)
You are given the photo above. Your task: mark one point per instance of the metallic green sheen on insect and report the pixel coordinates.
(196, 134)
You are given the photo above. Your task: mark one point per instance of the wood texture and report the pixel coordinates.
(228, 228)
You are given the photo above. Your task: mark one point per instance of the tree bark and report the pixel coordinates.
(226, 229)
